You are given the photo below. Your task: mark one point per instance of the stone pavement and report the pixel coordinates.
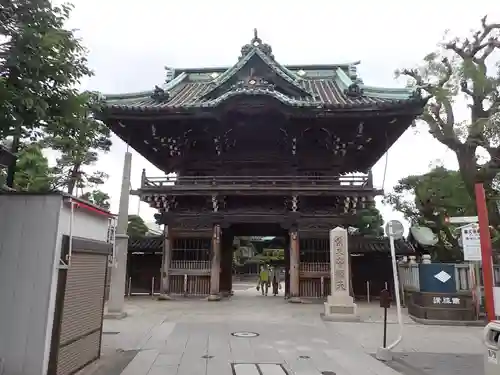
(198, 337)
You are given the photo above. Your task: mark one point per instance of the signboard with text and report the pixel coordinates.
(471, 243)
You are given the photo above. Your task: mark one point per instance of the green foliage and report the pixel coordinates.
(33, 170)
(370, 223)
(429, 199)
(136, 226)
(467, 68)
(40, 65)
(97, 197)
(438, 193)
(79, 139)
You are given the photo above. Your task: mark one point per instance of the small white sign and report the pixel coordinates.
(471, 243)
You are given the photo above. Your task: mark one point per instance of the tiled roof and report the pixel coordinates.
(145, 243)
(332, 86)
(357, 244)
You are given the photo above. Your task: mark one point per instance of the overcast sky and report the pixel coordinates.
(131, 42)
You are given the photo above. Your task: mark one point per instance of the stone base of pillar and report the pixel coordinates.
(340, 307)
(294, 300)
(165, 297)
(214, 297)
(226, 294)
(115, 315)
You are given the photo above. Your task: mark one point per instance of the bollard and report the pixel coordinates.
(385, 303)
(153, 286)
(129, 286)
(368, 291)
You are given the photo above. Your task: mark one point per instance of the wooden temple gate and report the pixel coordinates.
(259, 143)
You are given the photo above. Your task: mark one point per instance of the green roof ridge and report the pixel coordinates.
(372, 91)
(286, 74)
(343, 78)
(388, 93)
(140, 94)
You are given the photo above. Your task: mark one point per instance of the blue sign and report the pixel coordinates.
(437, 278)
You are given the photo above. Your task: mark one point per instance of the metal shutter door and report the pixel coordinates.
(82, 312)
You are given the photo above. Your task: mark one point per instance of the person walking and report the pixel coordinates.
(263, 284)
(275, 280)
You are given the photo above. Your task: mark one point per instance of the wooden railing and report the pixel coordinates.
(190, 264)
(314, 267)
(284, 181)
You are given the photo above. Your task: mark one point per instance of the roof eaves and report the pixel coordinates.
(345, 81)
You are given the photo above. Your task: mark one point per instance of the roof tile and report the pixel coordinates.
(327, 90)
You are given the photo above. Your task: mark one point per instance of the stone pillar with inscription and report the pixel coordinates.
(339, 305)
(215, 269)
(294, 267)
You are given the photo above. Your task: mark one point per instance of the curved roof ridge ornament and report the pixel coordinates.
(256, 40)
(256, 43)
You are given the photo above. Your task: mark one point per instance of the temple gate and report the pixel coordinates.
(259, 149)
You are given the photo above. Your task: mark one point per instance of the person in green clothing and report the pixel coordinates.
(263, 284)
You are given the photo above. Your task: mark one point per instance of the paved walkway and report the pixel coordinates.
(190, 337)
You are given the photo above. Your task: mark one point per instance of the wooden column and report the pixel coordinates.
(215, 270)
(226, 274)
(165, 265)
(294, 266)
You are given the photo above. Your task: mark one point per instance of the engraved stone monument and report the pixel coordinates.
(339, 305)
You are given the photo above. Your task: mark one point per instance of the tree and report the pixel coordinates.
(98, 198)
(80, 140)
(33, 170)
(40, 65)
(429, 199)
(464, 69)
(370, 223)
(136, 226)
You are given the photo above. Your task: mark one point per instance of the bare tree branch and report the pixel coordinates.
(466, 71)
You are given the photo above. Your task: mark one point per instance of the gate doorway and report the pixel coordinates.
(248, 247)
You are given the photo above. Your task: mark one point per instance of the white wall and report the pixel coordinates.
(29, 255)
(86, 224)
